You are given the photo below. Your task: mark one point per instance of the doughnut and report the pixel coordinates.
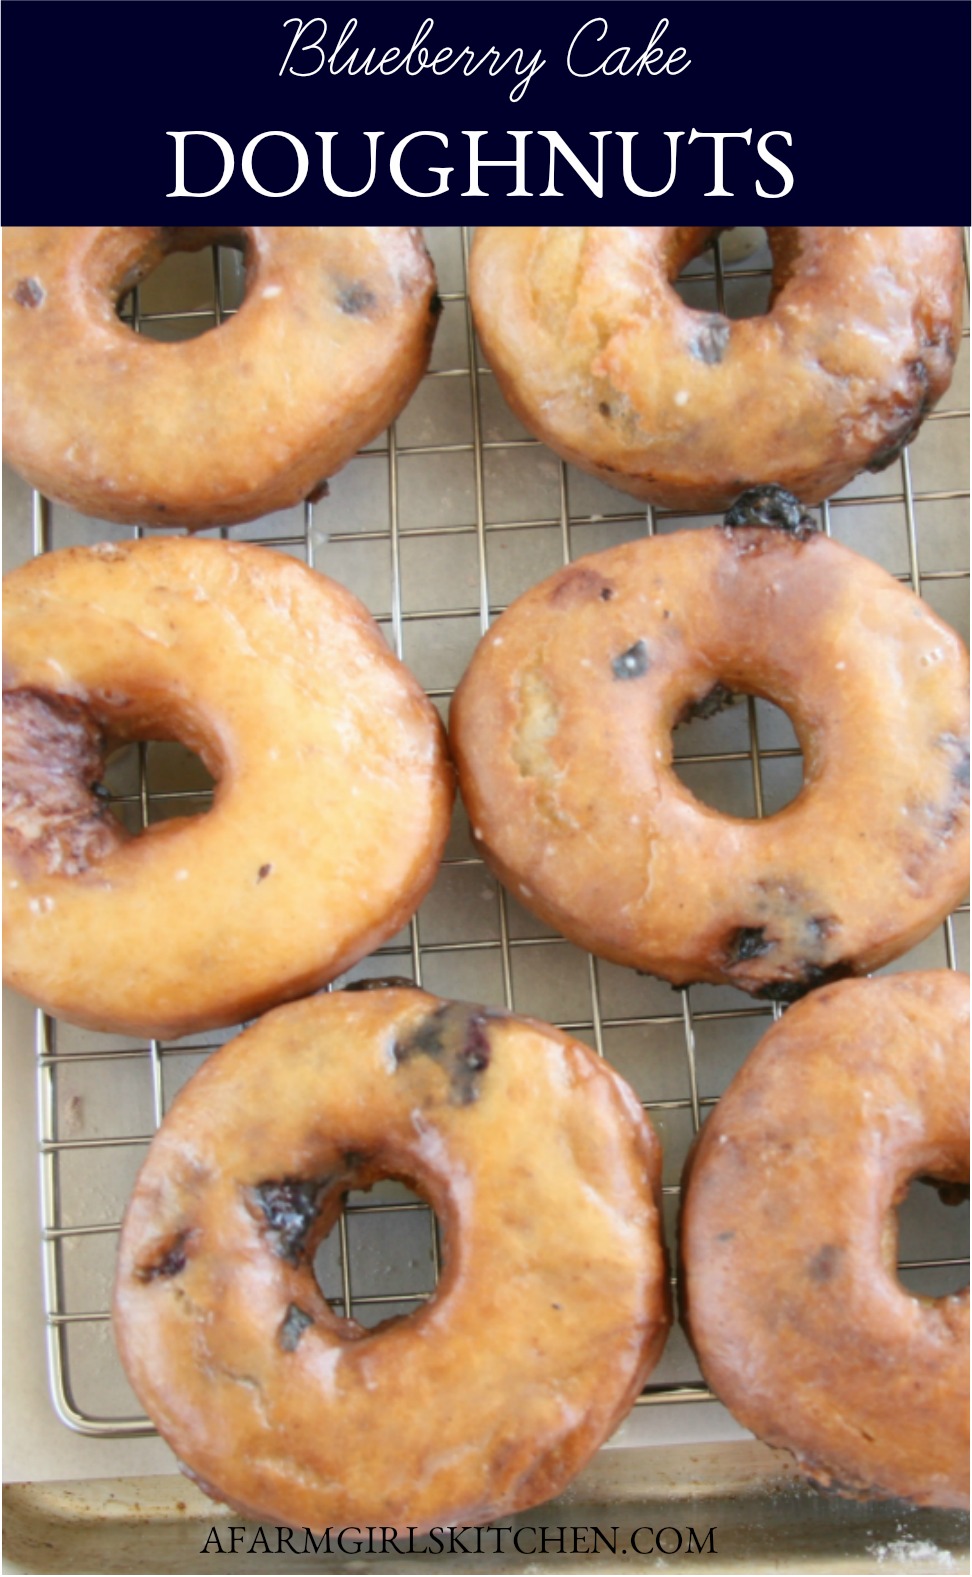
(333, 794)
(788, 1239)
(599, 357)
(561, 731)
(331, 339)
(553, 1303)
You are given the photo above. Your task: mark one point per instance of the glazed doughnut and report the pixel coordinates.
(788, 1239)
(597, 354)
(333, 792)
(553, 1303)
(561, 730)
(331, 339)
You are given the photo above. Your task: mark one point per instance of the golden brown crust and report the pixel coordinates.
(790, 1298)
(597, 354)
(331, 339)
(553, 1304)
(333, 784)
(561, 730)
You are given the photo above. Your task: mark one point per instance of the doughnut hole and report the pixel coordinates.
(175, 780)
(738, 753)
(361, 1216)
(390, 1236)
(746, 283)
(927, 1237)
(747, 273)
(186, 293)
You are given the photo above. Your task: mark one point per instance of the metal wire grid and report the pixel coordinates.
(691, 1012)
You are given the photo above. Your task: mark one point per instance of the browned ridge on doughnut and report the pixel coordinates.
(553, 1302)
(333, 786)
(330, 341)
(789, 1291)
(562, 735)
(597, 354)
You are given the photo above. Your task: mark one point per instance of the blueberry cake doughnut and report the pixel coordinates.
(597, 354)
(553, 1302)
(331, 339)
(333, 787)
(562, 735)
(788, 1238)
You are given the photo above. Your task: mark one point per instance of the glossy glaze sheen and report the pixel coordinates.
(329, 343)
(791, 1302)
(597, 355)
(561, 730)
(333, 786)
(552, 1307)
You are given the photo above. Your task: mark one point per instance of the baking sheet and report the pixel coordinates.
(437, 526)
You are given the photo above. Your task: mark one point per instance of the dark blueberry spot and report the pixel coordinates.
(710, 343)
(906, 432)
(809, 976)
(289, 1207)
(381, 983)
(578, 584)
(100, 792)
(918, 371)
(887, 456)
(822, 1266)
(784, 990)
(606, 593)
(454, 1036)
(475, 1054)
(950, 1192)
(632, 663)
(293, 1327)
(356, 300)
(960, 749)
(750, 941)
(604, 409)
(942, 820)
(771, 506)
(940, 338)
(28, 293)
(264, 872)
(942, 817)
(321, 490)
(820, 927)
(715, 700)
(725, 1237)
(171, 1262)
(435, 305)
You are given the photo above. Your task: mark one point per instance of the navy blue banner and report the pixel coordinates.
(583, 111)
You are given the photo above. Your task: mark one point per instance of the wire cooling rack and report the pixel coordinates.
(437, 526)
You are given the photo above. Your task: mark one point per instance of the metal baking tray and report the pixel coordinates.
(438, 525)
